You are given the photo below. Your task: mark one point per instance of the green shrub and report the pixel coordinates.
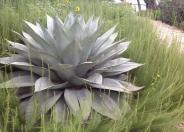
(167, 13)
(178, 8)
(172, 12)
(182, 25)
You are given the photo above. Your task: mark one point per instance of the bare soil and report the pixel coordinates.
(169, 33)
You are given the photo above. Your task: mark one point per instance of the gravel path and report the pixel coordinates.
(169, 33)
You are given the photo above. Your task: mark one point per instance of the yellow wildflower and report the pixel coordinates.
(77, 9)
(158, 75)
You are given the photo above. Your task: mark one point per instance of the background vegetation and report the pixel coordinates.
(172, 12)
(159, 107)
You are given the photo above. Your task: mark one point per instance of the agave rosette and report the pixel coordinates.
(68, 64)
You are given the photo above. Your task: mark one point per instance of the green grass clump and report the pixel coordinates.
(158, 107)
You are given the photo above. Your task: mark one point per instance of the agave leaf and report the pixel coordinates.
(94, 26)
(105, 105)
(39, 28)
(42, 83)
(96, 78)
(87, 30)
(78, 81)
(83, 68)
(17, 47)
(90, 20)
(101, 40)
(33, 30)
(27, 39)
(37, 52)
(121, 77)
(125, 67)
(25, 96)
(19, 81)
(130, 87)
(13, 58)
(91, 27)
(106, 87)
(65, 71)
(116, 62)
(112, 63)
(111, 53)
(93, 79)
(24, 93)
(72, 101)
(69, 21)
(81, 22)
(35, 69)
(60, 36)
(39, 42)
(68, 72)
(50, 24)
(41, 102)
(87, 44)
(45, 83)
(43, 42)
(110, 84)
(108, 33)
(53, 47)
(117, 85)
(23, 106)
(29, 67)
(59, 21)
(122, 101)
(79, 100)
(17, 73)
(76, 30)
(71, 55)
(60, 110)
(43, 57)
(107, 43)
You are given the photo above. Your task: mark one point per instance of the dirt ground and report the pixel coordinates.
(169, 33)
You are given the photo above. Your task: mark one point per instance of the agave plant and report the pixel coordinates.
(68, 66)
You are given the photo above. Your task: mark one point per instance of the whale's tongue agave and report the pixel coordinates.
(68, 65)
